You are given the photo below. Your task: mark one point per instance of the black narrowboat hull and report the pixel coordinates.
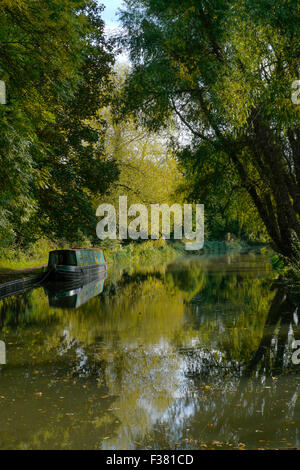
(73, 273)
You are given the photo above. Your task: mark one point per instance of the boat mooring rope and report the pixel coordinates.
(47, 274)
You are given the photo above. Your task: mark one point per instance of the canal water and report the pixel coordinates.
(195, 354)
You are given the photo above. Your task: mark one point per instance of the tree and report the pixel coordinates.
(215, 182)
(148, 171)
(225, 69)
(56, 63)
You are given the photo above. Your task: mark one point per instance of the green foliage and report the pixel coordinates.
(56, 64)
(36, 254)
(277, 262)
(141, 256)
(225, 69)
(148, 171)
(212, 180)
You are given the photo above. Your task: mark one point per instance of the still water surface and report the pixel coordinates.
(195, 354)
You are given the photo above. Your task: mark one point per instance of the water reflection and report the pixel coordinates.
(194, 354)
(74, 294)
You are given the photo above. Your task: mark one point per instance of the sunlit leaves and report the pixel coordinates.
(55, 62)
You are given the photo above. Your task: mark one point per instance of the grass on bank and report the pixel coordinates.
(148, 252)
(36, 255)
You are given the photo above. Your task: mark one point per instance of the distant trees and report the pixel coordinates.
(56, 64)
(225, 69)
(148, 171)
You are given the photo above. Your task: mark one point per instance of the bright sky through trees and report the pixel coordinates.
(112, 25)
(109, 14)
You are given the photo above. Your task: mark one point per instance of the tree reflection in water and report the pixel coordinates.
(195, 354)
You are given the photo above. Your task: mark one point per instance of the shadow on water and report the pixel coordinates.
(194, 354)
(74, 294)
(281, 330)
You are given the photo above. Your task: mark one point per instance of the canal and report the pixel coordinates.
(195, 354)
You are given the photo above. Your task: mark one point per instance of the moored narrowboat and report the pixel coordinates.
(76, 263)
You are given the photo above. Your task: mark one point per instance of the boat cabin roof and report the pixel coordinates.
(76, 257)
(77, 249)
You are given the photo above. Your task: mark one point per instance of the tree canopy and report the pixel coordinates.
(225, 69)
(148, 171)
(56, 63)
